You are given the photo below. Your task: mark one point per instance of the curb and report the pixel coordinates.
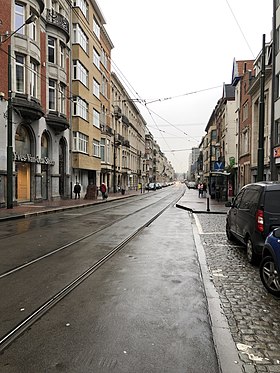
(227, 354)
(59, 209)
(200, 211)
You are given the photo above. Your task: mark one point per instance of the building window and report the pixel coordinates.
(104, 59)
(19, 18)
(277, 132)
(51, 49)
(33, 78)
(104, 86)
(96, 29)
(80, 72)
(102, 150)
(83, 5)
(96, 148)
(277, 86)
(33, 29)
(62, 89)
(80, 108)
(96, 88)
(96, 118)
(20, 76)
(79, 37)
(213, 135)
(96, 58)
(80, 142)
(62, 56)
(52, 87)
(245, 111)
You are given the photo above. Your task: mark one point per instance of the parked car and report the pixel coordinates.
(270, 264)
(253, 214)
(191, 185)
(158, 185)
(151, 186)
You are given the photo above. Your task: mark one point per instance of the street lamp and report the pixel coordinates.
(29, 20)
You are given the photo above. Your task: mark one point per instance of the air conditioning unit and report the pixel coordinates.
(117, 111)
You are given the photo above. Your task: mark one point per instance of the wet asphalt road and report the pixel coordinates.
(253, 314)
(143, 311)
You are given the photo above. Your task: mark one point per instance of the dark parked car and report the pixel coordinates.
(253, 214)
(270, 264)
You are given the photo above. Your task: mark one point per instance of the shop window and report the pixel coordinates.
(22, 144)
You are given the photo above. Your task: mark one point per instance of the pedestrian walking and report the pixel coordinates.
(103, 190)
(200, 190)
(77, 190)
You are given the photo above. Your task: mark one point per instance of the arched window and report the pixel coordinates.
(23, 143)
(44, 145)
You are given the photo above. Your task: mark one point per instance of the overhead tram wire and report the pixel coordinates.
(240, 29)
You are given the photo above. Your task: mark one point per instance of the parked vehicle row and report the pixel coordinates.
(155, 186)
(253, 219)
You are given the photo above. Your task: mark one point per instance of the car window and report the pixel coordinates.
(237, 199)
(250, 199)
(272, 201)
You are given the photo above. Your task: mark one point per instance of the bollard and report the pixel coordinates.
(207, 201)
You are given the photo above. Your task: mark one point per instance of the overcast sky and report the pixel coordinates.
(178, 54)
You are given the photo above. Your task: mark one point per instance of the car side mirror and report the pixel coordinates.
(276, 233)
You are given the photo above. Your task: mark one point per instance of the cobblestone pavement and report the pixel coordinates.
(253, 314)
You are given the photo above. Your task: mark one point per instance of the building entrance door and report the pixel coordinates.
(23, 182)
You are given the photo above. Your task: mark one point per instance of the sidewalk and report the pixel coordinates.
(28, 209)
(191, 202)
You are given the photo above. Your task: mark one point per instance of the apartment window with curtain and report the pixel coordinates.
(33, 28)
(79, 37)
(104, 59)
(51, 49)
(102, 149)
(20, 73)
(104, 86)
(52, 95)
(62, 98)
(80, 142)
(96, 148)
(80, 108)
(20, 18)
(80, 72)
(96, 28)
(96, 118)
(62, 55)
(96, 88)
(33, 79)
(83, 5)
(96, 58)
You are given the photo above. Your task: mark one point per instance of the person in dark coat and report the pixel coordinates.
(77, 190)
(103, 190)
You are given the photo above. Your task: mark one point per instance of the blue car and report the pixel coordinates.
(270, 264)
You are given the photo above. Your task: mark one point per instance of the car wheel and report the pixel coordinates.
(230, 236)
(251, 255)
(270, 276)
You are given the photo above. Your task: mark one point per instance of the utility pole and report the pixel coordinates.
(273, 169)
(9, 136)
(260, 171)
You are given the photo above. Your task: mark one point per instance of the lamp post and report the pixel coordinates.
(29, 20)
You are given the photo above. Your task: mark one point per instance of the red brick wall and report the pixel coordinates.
(5, 16)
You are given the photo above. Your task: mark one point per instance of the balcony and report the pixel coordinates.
(29, 108)
(56, 19)
(57, 122)
(126, 143)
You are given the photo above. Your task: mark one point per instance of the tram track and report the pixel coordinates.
(69, 244)
(40, 311)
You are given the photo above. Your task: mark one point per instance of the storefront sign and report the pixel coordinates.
(32, 159)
